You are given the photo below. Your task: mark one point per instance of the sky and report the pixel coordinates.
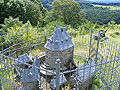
(105, 1)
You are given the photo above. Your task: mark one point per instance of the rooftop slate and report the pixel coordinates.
(22, 59)
(29, 75)
(60, 40)
(36, 62)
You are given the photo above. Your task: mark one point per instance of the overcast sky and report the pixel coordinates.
(105, 0)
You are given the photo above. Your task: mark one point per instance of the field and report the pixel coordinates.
(109, 7)
(114, 35)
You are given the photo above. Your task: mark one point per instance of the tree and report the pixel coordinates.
(9, 23)
(42, 9)
(26, 10)
(11, 8)
(33, 13)
(111, 24)
(67, 11)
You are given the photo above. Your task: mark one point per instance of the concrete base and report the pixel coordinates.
(45, 67)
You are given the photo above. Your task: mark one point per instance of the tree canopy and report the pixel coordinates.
(31, 10)
(67, 11)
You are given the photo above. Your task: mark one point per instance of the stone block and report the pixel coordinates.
(82, 78)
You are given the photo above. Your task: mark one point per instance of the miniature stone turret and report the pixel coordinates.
(29, 79)
(59, 46)
(28, 75)
(22, 59)
(20, 65)
(83, 78)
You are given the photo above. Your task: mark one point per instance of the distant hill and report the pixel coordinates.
(105, 1)
(100, 13)
(83, 1)
(48, 3)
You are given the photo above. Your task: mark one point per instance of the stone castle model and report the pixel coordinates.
(59, 46)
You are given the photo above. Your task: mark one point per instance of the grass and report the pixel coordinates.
(81, 61)
(109, 53)
(8, 75)
(114, 36)
(37, 51)
(81, 42)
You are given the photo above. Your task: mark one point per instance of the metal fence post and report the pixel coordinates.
(0, 85)
(27, 40)
(98, 39)
(119, 87)
(96, 57)
(90, 42)
(57, 74)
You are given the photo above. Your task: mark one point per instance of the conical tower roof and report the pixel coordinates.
(60, 40)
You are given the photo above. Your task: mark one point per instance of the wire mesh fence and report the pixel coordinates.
(95, 64)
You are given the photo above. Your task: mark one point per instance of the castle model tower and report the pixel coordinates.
(59, 46)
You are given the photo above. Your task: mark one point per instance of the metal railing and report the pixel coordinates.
(97, 62)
